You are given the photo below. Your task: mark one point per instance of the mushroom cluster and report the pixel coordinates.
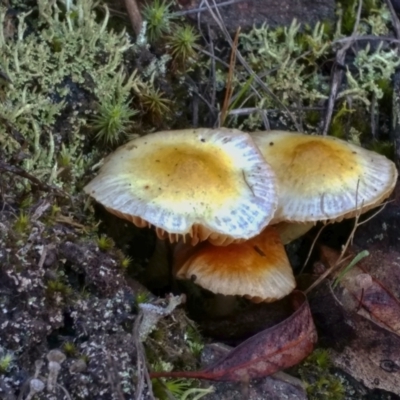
(231, 200)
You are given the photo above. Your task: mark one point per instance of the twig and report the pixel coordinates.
(134, 15)
(142, 371)
(13, 169)
(192, 84)
(366, 37)
(201, 9)
(395, 129)
(68, 396)
(312, 248)
(337, 75)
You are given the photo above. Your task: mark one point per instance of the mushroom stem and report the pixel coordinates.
(158, 270)
(223, 305)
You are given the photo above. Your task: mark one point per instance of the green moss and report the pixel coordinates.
(126, 262)
(57, 290)
(155, 104)
(181, 44)
(157, 16)
(383, 147)
(142, 297)
(194, 340)
(112, 120)
(70, 349)
(6, 361)
(104, 243)
(22, 223)
(321, 383)
(164, 388)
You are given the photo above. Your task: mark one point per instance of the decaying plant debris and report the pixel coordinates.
(75, 82)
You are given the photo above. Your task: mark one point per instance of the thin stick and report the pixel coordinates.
(366, 37)
(345, 247)
(312, 248)
(201, 9)
(14, 169)
(134, 15)
(141, 364)
(395, 129)
(395, 19)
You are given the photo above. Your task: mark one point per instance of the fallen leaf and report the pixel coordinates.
(357, 346)
(360, 291)
(372, 358)
(269, 351)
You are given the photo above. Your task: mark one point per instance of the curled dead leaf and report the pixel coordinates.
(271, 350)
(361, 291)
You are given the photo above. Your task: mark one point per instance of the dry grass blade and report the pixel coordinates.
(229, 88)
(395, 20)
(219, 21)
(349, 241)
(200, 9)
(337, 75)
(341, 258)
(311, 248)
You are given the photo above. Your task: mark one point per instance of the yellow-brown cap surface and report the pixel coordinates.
(198, 183)
(323, 178)
(258, 268)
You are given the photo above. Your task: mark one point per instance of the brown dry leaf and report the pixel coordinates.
(372, 358)
(358, 346)
(276, 386)
(360, 290)
(271, 350)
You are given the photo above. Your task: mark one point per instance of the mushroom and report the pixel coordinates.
(290, 231)
(195, 184)
(323, 178)
(257, 268)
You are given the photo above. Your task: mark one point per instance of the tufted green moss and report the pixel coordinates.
(321, 383)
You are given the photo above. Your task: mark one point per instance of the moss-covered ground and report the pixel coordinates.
(74, 84)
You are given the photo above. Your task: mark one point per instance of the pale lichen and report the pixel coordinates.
(59, 65)
(294, 63)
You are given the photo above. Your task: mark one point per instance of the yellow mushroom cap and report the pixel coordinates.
(323, 178)
(203, 183)
(257, 268)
